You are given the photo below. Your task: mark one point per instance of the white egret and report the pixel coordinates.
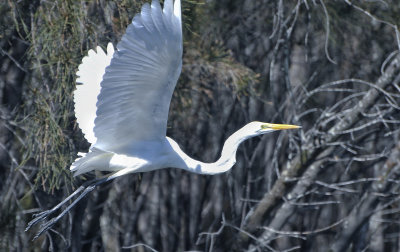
(133, 87)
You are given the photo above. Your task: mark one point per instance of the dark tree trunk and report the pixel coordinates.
(330, 66)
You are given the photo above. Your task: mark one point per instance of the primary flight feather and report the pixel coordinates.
(122, 103)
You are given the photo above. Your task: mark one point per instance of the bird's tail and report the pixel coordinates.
(95, 159)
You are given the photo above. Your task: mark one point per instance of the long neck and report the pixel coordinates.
(223, 164)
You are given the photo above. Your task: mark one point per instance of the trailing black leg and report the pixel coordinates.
(86, 188)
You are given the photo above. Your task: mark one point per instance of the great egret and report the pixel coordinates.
(133, 87)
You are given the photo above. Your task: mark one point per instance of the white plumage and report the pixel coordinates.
(123, 102)
(90, 74)
(132, 107)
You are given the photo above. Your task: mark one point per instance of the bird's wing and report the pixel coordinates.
(90, 74)
(137, 87)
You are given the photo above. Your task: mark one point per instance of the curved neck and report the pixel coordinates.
(223, 164)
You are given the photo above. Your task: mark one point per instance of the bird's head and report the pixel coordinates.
(260, 128)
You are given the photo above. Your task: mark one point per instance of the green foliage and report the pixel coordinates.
(206, 59)
(210, 62)
(55, 46)
(62, 32)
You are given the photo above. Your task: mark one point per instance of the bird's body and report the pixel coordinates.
(143, 156)
(123, 103)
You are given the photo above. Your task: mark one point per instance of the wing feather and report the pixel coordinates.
(90, 73)
(168, 7)
(137, 87)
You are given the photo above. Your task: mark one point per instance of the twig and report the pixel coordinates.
(279, 188)
(140, 245)
(327, 33)
(13, 60)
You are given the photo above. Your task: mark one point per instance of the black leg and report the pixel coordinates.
(86, 188)
(42, 215)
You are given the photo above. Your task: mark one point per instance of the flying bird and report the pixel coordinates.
(123, 101)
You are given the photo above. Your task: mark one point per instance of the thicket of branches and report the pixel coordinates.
(332, 67)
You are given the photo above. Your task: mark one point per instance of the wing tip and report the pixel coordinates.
(110, 49)
(168, 7)
(173, 8)
(177, 9)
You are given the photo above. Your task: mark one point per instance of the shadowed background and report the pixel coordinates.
(329, 66)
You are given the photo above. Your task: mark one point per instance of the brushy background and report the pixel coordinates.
(330, 66)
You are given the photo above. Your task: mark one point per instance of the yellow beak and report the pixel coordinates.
(279, 126)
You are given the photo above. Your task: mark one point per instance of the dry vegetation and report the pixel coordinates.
(331, 66)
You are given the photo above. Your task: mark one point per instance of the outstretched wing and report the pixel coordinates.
(90, 74)
(137, 87)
